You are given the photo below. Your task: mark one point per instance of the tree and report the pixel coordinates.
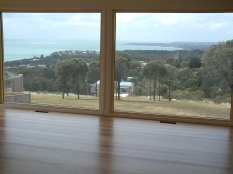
(93, 74)
(176, 63)
(194, 63)
(219, 60)
(137, 91)
(48, 73)
(172, 75)
(163, 89)
(63, 71)
(145, 85)
(155, 71)
(122, 67)
(48, 85)
(186, 79)
(79, 69)
(135, 68)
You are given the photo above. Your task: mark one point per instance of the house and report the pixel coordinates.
(143, 63)
(14, 88)
(126, 88)
(41, 66)
(129, 78)
(94, 87)
(184, 63)
(13, 82)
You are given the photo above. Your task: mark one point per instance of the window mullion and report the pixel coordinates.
(1, 60)
(107, 53)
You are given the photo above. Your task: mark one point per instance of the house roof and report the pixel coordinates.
(125, 84)
(122, 84)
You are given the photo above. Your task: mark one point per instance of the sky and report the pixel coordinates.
(130, 27)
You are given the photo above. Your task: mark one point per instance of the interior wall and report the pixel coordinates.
(160, 5)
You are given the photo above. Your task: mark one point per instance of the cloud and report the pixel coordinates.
(219, 25)
(174, 26)
(228, 15)
(51, 25)
(129, 26)
(126, 17)
(213, 25)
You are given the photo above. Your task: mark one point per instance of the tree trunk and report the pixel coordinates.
(96, 89)
(159, 90)
(154, 94)
(77, 86)
(169, 93)
(150, 90)
(154, 90)
(63, 93)
(78, 89)
(116, 89)
(119, 90)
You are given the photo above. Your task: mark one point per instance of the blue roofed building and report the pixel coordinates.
(126, 88)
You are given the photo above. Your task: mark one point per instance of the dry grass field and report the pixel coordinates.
(85, 102)
(141, 105)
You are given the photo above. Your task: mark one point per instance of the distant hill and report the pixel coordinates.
(184, 45)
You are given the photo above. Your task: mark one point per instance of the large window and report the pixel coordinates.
(52, 59)
(163, 64)
(174, 64)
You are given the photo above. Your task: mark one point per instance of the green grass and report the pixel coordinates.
(141, 105)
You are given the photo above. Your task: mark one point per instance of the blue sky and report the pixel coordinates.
(130, 27)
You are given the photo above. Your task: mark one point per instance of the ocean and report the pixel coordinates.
(16, 49)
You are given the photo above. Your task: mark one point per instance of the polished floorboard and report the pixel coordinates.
(58, 143)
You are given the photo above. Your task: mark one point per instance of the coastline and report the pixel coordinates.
(17, 49)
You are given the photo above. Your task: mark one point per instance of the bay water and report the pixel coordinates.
(16, 49)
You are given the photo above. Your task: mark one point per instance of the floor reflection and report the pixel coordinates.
(231, 157)
(2, 138)
(106, 135)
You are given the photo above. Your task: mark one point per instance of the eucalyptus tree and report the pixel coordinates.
(219, 60)
(135, 68)
(155, 71)
(171, 76)
(93, 74)
(194, 63)
(122, 67)
(78, 71)
(63, 74)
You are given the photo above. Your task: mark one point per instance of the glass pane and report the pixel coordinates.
(52, 58)
(174, 64)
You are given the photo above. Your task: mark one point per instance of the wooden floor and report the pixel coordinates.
(54, 143)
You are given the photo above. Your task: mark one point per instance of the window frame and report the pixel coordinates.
(107, 52)
(163, 116)
(37, 106)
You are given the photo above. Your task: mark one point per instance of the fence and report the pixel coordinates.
(18, 98)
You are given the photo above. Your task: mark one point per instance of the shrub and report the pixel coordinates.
(163, 89)
(137, 91)
(187, 94)
(222, 99)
